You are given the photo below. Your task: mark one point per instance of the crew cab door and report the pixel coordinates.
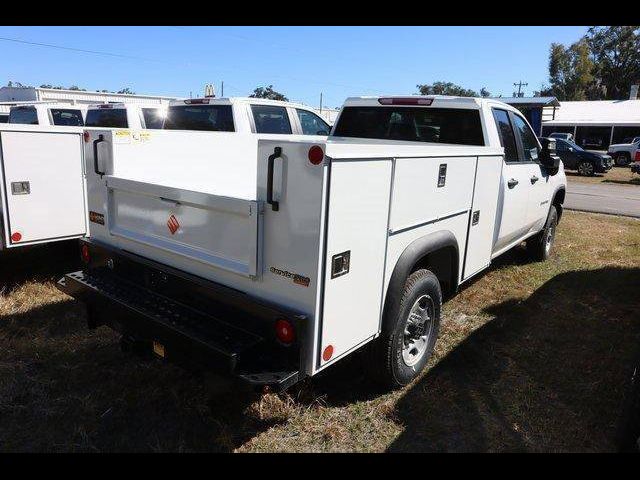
(43, 195)
(515, 186)
(538, 182)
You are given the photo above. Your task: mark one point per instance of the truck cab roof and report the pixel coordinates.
(236, 100)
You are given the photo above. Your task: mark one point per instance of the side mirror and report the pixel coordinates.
(548, 157)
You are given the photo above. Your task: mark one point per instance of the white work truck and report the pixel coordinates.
(42, 169)
(244, 115)
(42, 182)
(273, 258)
(48, 113)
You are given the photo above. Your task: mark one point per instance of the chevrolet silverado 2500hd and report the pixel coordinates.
(272, 259)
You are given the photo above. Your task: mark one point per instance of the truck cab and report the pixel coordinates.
(245, 115)
(55, 114)
(271, 256)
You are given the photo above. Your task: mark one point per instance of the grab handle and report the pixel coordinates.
(95, 154)
(275, 205)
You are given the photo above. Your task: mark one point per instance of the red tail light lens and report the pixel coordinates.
(285, 331)
(87, 136)
(637, 155)
(84, 253)
(16, 236)
(316, 155)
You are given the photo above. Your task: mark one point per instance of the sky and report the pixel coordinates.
(301, 62)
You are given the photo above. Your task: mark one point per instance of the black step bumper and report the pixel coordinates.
(182, 334)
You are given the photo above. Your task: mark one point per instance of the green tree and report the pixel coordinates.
(446, 88)
(126, 91)
(484, 92)
(268, 92)
(571, 72)
(616, 53)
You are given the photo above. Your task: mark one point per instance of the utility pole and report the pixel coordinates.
(222, 89)
(519, 85)
(320, 103)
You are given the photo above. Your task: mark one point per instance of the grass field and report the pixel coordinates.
(615, 176)
(532, 357)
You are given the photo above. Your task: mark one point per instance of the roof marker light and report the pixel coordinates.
(196, 101)
(405, 101)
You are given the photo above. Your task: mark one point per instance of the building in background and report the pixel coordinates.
(329, 115)
(594, 124)
(532, 108)
(76, 97)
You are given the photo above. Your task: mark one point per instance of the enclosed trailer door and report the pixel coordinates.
(43, 188)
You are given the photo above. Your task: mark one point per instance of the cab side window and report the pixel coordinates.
(530, 147)
(507, 137)
(271, 119)
(311, 123)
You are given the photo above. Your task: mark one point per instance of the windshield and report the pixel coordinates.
(214, 118)
(574, 146)
(107, 117)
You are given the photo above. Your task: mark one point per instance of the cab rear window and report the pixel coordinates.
(107, 117)
(24, 115)
(4, 118)
(214, 118)
(153, 117)
(415, 124)
(68, 117)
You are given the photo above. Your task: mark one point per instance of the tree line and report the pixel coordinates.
(126, 90)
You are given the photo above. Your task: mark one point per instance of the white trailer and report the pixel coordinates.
(274, 266)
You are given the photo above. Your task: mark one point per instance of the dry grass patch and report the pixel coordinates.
(532, 357)
(615, 176)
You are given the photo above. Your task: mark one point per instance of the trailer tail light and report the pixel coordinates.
(16, 236)
(85, 255)
(405, 101)
(285, 332)
(197, 101)
(637, 155)
(87, 136)
(316, 155)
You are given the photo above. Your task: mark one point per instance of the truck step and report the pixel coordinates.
(173, 320)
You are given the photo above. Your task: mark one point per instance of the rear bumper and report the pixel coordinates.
(221, 339)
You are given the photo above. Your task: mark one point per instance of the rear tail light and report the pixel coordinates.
(16, 236)
(316, 155)
(637, 155)
(87, 136)
(405, 101)
(285, 332)
(85, 254)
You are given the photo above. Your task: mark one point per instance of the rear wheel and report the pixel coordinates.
(408, 336)
(539, 246)
(586, 169)
(622, 159)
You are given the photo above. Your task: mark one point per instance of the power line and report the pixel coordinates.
(94, 52)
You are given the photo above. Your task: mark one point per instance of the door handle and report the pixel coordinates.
(512, 183)
(534, 179)
(275, 205)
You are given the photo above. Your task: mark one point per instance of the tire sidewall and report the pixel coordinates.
(552, 219)
(428, 284)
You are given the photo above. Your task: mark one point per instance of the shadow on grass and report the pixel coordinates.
(546, 374)
(40, 262)
(632, 181)
(65, 388)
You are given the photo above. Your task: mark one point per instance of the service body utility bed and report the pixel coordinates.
(320, 235)
(42, 188)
